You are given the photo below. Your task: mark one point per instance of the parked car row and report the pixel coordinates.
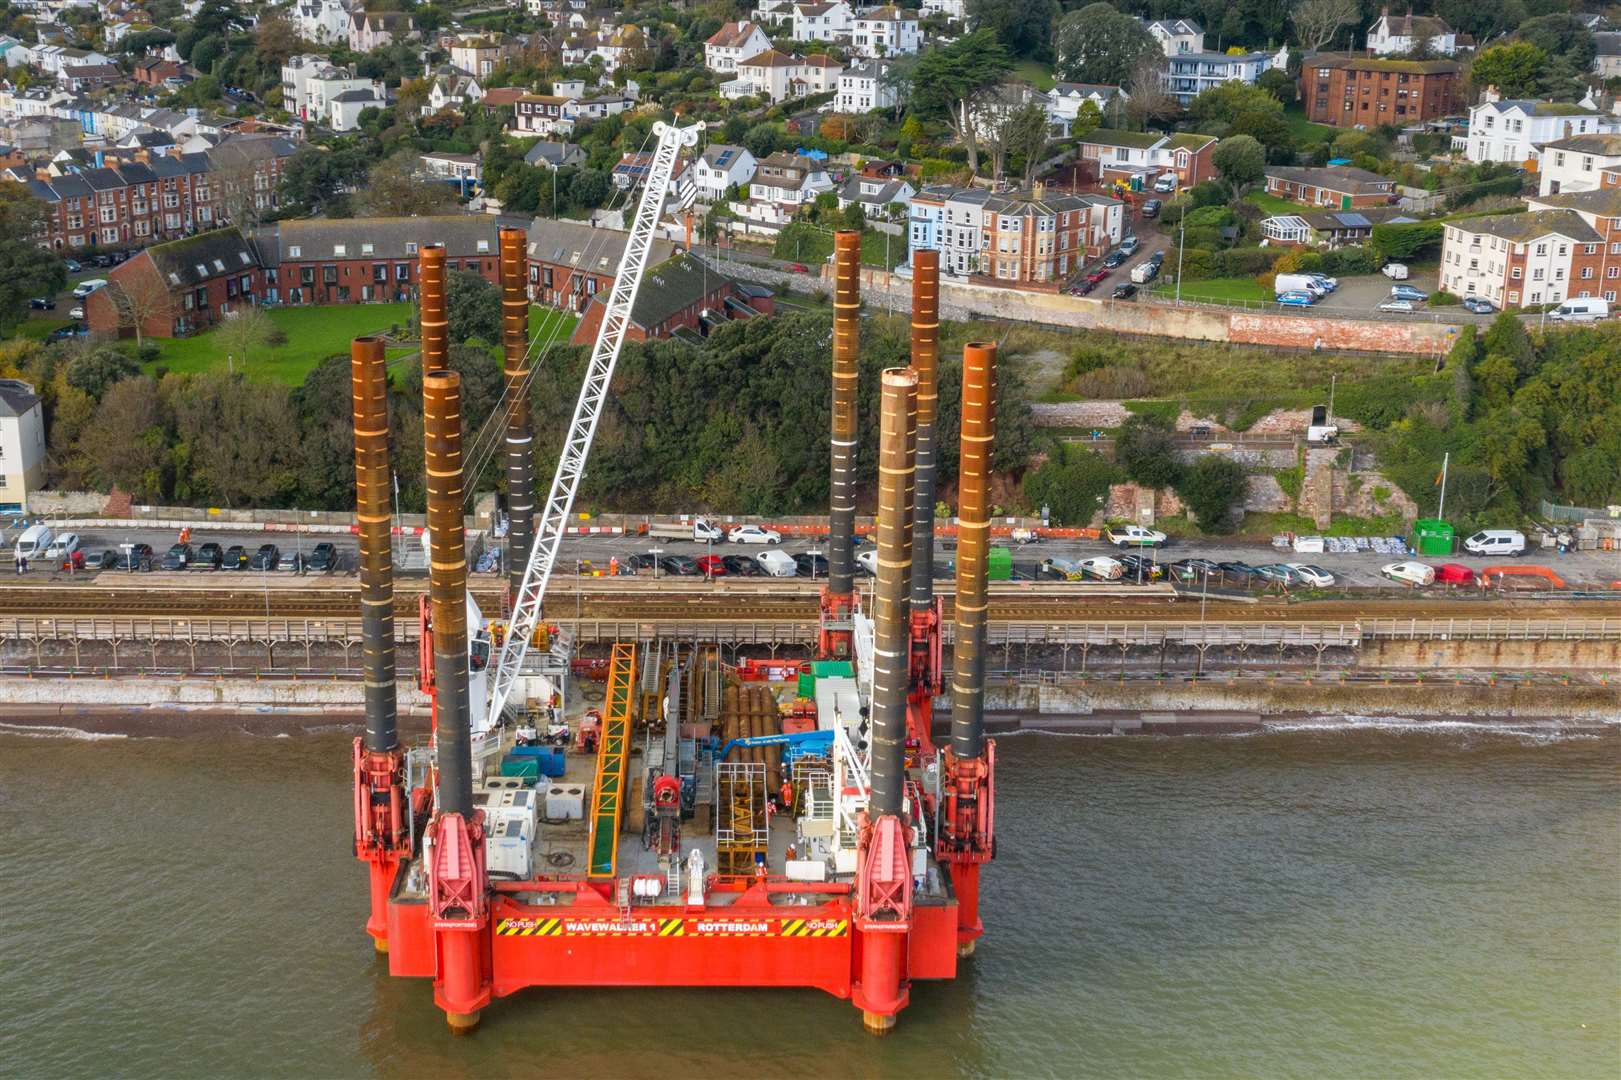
(772, 563)
(321, 558)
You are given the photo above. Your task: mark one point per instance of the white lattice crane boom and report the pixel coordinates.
(526, 607)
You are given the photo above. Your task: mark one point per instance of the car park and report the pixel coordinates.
(753, 534)
(1315, 576)
(1124, 291)
(741, 566)
(265, 558)
(1407, 292)
(1479, 305)
(235, 558)
(209, 557)
(1496, 542)
(1410, 573)
(1133, 536)
(811, 564)
(1404, 307)
(323, 557)
(178, 557)
(1296, 298)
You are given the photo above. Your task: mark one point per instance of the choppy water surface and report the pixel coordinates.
(1326, 903)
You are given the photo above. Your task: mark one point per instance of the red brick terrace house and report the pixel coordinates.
(177, 288)
(570, 262)
(1339, 186)
(681, 297)
(366, 260)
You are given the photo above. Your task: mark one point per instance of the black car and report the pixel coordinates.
(1151, 208)
(108, 561)
(1124, 291)
(101, 260)
(137, 557)
(291, 561)
(265, 558)
(741, 565)
(1238, 571)
(178, 557)
(209, 557)
(43, 303)
(1158, 258)
(1192, 569)
(1139, 569)
(679, 565)
(236, 558)
(323, 558)
(810, 565)
(1114, 259)
(1084, 288)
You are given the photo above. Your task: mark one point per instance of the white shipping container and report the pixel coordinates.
(507, 850)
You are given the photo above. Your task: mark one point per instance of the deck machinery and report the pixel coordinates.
(866, 883)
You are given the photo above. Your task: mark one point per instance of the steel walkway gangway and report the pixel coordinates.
(613, 757)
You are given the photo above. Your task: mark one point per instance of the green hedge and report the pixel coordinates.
(1408, 240)
(1244, 262)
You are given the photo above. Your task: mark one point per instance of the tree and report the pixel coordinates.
(243, 330)
(1213, 488)
(1100, 44)
(1280, 85)
(762, 140)
(1240, 160)
(1226, 102)
(314, 178)
(473, 307)
(1025, 27)
(1146, 449)
(946, 78)
(396, 188)
(26, 269)
(1148, 102)
(1072, 484)
(127, 444)
(94, 371)
(589, 189)
(237, 438)
(1561, 34)
(1507, 337)
(1317, 22)
(137, 300)
(897, 80)
(323, 408)
(276, 39)
(1088, 118)
(1026, 136)
(990, 115)
(1514, 67)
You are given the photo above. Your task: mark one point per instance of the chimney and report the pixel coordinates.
(973, 540)
(892, 631)
(373, 482)
(520, 432)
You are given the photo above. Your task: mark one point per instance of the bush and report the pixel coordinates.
(1347, 261)
(1442, 298)
(1146, 449)
(149, 351)
(1244, 262)
(1198, 264)
(1071, 484)
(1213, 489)
(1406, 241)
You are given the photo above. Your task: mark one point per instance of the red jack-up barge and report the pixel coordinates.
(864, 883)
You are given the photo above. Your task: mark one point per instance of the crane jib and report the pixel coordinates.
(526, 605)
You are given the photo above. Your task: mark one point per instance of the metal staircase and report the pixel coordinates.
(613, 756)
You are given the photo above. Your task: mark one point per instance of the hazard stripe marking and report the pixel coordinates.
(676, 927)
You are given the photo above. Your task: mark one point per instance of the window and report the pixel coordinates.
(1587, 272)
(1515, 273)
(379, 272)
(402, 271)
(294, 252)
(340, 250)
(1542, 249)
(1589, 249)
(483, 245)
(365, 249)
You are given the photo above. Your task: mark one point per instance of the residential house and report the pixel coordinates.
(570, 261)
(1177, 37)
(1577, 163)
(1187, 75)
(1516, 130)
(876, 195)
(156, 70)
(554, 155)
(1121, 156)
(1065, 100)
(774, 16)
(884, 31)
(543, 114)
(777, 76)
(177, 288)
(680, 297)
(633, 168)
(309, 84)
(823, 22)
(1542, 256)
(1339, 186)
(463, 170)
(733, 42)
(452, 90)
(364, 260)
(1030, 239)
(1330, 228)
(783, 184)
(370, 30)
(1394, 34)
(22, 445)
(322, 21)
(1358, 91)
(82, 78)
(343, 110)
(480, 54)
(865, 87)
(1607, 59)
(719, 169)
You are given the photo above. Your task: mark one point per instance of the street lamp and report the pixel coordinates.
(655, 552)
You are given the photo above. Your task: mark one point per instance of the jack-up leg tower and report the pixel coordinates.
(839, 600)
(883, 895)
(926, 611)
(381, 837)
(520, 435)
(967, 837)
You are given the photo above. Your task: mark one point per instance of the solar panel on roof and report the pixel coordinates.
(1353, 221)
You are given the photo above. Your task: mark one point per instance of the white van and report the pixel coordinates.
(33, 542)
(1496, 542)
(777, 563)
(64, 545)
(1582, 309)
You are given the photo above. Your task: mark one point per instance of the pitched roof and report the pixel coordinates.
(1530, 225)
(1371, 63)
(1601, 144)
(1344, 178)
(389, 238)
(733, 34)
(1410, 25)
(16, 397)
(770, 58)
(673, 286)
(1539, 108)
(194, 260)
(572, 243)
(1603, 202)
(1138, 140)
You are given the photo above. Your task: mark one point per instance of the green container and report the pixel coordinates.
(527, 768)
(807, 686)
(824, 668)
(999, 564)
(1431, 536)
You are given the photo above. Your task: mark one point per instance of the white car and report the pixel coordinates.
(1413, 573)
(1312, 575)
(868, 561)
(1102, 567)
(1404, 306)
(1133, 536)
(753, 534)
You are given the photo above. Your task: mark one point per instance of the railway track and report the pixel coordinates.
(1020, 604)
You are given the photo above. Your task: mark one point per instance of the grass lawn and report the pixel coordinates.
(1234, 288)
(313, 334)
(1273, 205)
(1035, 73)
(1305, 131)
(39, 329)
